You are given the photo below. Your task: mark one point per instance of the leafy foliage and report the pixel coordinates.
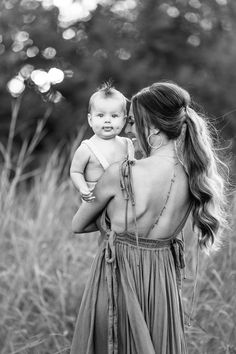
(134, 43)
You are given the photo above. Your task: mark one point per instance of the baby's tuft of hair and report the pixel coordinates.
(107, 90)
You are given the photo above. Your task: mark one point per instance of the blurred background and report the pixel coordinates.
(53, 56)
(55, 53)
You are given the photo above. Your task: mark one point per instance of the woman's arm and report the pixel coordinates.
(105, 190)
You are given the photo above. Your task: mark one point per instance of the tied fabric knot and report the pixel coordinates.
(177, 248)
(125, 179)
(110, 247)
(112, 290)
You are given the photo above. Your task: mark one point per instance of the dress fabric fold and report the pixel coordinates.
(131, 305)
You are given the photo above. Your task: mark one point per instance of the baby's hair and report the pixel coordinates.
(107, 90)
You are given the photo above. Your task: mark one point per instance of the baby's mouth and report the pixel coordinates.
(107, 128)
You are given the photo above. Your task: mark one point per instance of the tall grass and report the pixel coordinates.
(213, 329)
(44, 267)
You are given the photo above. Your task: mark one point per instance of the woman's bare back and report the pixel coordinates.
(151, 180)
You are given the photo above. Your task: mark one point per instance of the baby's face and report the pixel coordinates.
(107, 116)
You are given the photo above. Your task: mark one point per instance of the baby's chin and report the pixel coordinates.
(106, 137)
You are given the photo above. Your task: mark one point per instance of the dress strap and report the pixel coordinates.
(102, 160)
(167, 197)
(130, 149)
(183, 221)
(126, 184)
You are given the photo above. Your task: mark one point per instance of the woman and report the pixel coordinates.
(132, 301)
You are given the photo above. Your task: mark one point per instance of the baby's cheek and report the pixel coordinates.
(118, 128)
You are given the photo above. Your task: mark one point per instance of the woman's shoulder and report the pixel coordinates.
(157, 170)
(118, 170)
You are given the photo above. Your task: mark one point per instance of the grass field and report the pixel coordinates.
(43, 269)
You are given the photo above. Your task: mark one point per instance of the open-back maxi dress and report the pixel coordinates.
(131, 303)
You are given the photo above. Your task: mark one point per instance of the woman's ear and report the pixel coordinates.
(153, 130)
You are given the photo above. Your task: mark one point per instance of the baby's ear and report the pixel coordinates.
(89, 119)
(125, 120)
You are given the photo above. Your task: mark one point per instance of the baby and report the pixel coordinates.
(106, 117)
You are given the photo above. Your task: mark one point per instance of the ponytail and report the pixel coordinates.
(205, 180)
(165, 106)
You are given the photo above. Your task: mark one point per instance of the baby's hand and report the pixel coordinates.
(87, 196)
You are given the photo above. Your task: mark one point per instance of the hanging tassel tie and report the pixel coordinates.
(194, 294)
(112, 288)
(177, 248)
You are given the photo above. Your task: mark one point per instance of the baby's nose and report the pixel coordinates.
(107, 118)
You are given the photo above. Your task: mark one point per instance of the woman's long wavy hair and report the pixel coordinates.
(166, 106)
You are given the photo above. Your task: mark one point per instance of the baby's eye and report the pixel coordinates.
(114, 115)
(100, 115)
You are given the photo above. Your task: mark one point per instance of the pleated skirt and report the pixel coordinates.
(131, 303)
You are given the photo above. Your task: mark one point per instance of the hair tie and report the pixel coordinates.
(187, 117)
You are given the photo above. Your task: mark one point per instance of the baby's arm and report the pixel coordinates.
(78, 165)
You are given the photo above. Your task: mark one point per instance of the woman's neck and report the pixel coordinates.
(166, 148)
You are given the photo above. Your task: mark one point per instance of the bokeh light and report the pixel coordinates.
(17, 46)
(45, 87)
(49, 53)
(16, 86)
(222, 2)
(55, 75)
(195, 4)
(31, 52)
(206, 24)
(69, 33)
(194, 40)
(123, 54)
(191, 17)
(172, 11)
(26, 71)
(39, 77)
(21, 36)
(71, 11)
